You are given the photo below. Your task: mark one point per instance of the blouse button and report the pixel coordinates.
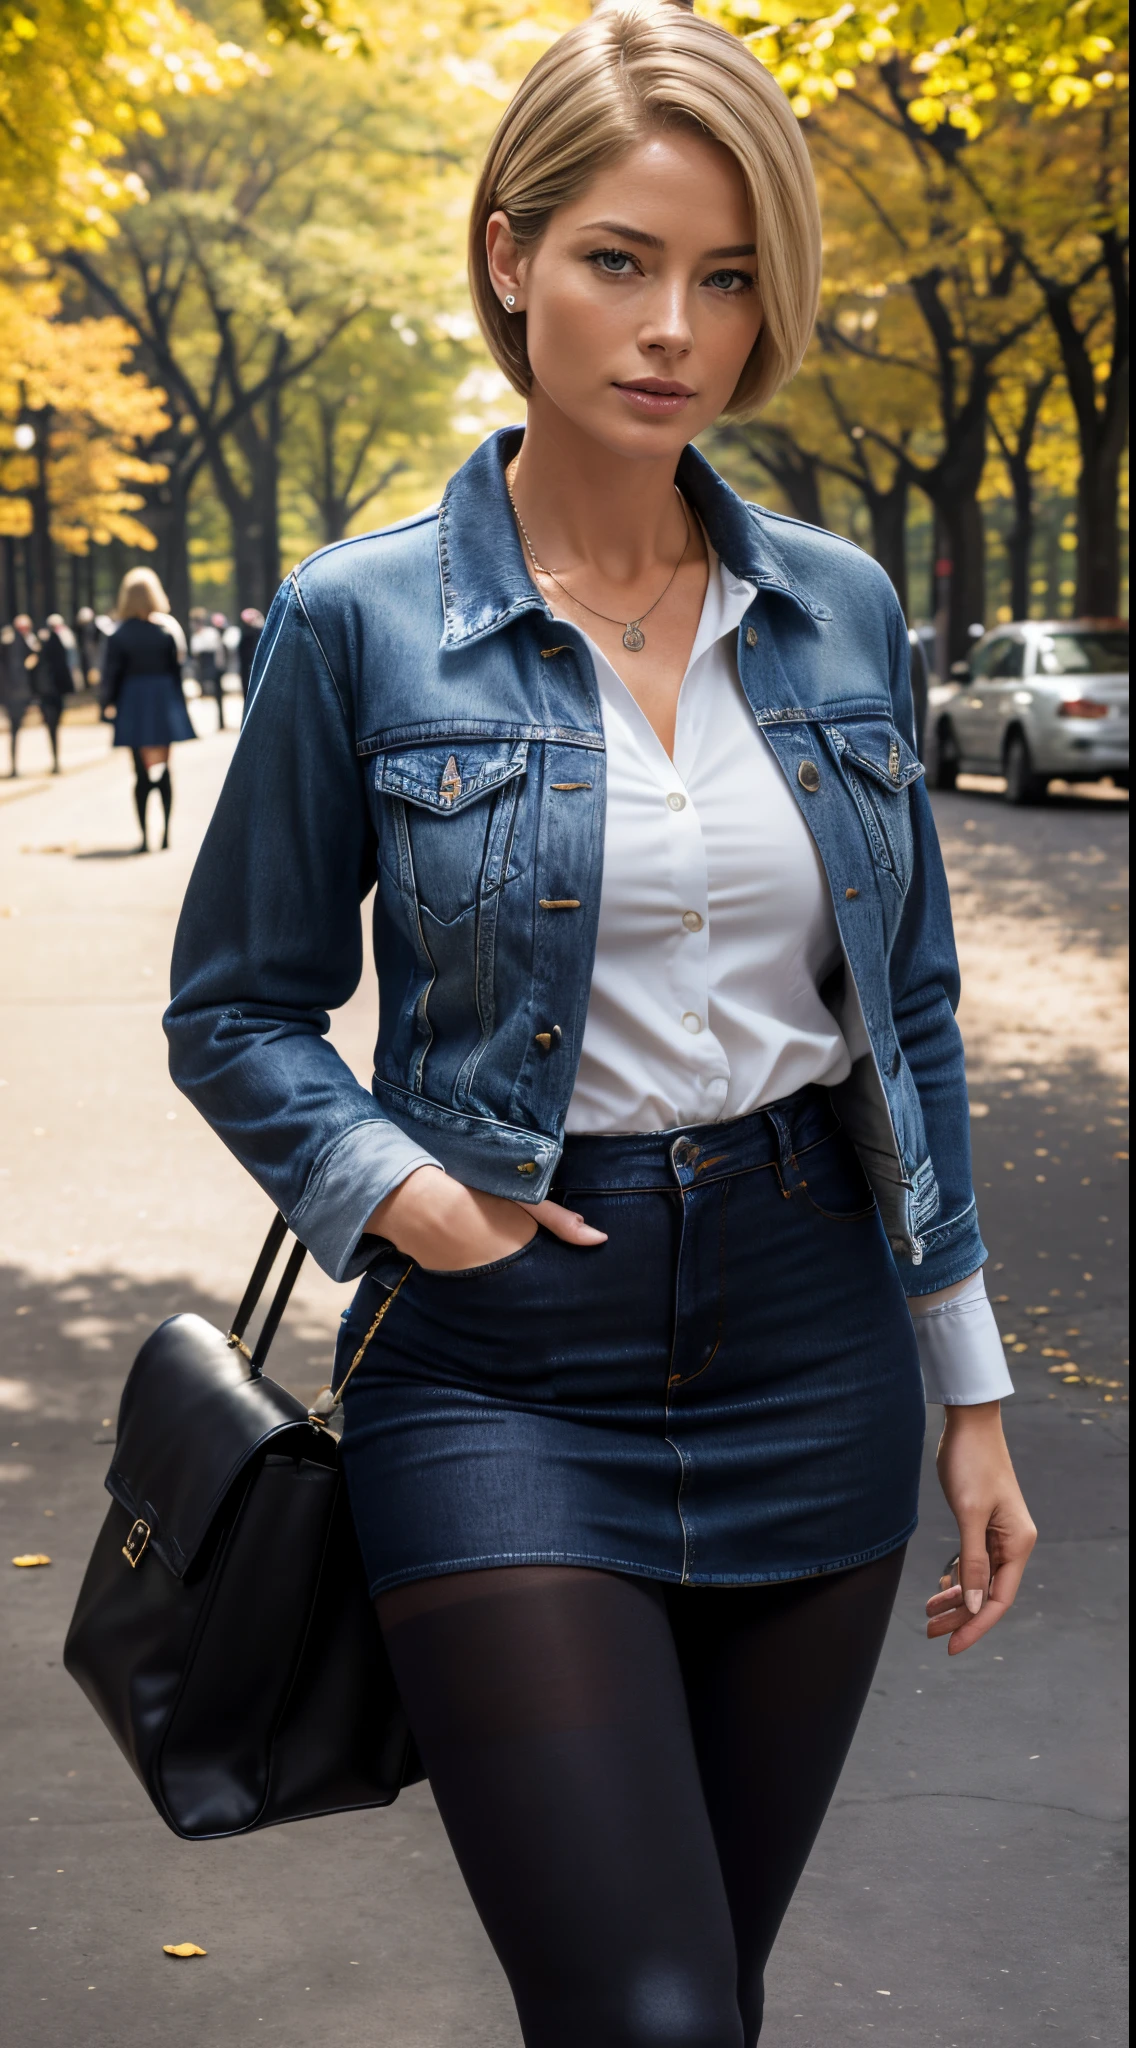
(676, 801)
(692, 921)
(691, 1022)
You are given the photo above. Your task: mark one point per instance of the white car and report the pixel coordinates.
(1037, 700)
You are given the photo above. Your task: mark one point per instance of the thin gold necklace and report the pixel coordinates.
(634, 638)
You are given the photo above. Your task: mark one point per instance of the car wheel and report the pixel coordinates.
(1022, 785)
(947, 762)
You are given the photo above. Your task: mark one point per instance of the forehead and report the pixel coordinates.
(674, 183)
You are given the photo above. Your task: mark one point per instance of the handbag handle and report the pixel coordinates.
(278, 1231)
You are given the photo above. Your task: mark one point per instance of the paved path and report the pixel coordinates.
(966, 1886)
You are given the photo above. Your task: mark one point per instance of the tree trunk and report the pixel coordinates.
(11, 579)
(888, 510)
(254, 518)
(41, 564)
(1102, 428)
(1098, 536)
(167, 511)
(1019, 540)
(966, 543)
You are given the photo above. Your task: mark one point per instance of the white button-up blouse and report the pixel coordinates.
(716, 927)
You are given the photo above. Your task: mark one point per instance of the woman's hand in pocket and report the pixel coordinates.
(447, 1228)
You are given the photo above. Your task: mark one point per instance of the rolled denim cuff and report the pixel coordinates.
(960, 1349)
(353, 1176)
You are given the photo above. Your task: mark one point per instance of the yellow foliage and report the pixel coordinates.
(70, 382)
(1037, 53)
(76, 78)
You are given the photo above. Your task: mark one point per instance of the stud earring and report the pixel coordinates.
(510, 301)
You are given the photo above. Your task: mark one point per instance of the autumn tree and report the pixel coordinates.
(336, 203)
(1011, 130)
(71, 414)
(378, 406)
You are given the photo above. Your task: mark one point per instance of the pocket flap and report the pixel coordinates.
(446, 776)
(876, 749)
(191, 1418)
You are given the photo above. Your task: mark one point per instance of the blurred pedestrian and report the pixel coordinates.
(54, 678)
(92, 645)
(142, 681)
(252, 626)
(19, 655)
(206, 652)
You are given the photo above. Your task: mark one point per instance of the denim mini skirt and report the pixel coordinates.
(725, 1393)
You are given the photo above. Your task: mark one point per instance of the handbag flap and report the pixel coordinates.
(191, 1417)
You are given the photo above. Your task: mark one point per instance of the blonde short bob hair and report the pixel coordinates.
(635, 67)
(139, 594)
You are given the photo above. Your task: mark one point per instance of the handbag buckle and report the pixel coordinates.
(136, 1543)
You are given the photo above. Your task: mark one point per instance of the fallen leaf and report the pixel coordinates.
(29, 1558)
(183, 1948)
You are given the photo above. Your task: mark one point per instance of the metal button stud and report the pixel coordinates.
(751, 636)
(692, 921)
(808, 775)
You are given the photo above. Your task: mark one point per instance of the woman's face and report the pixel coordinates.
(641, 297)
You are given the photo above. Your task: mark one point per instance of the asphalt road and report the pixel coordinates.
(967, 1885)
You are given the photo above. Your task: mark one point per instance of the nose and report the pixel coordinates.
(667, 330)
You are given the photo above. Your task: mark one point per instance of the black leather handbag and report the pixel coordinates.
(223, 1631)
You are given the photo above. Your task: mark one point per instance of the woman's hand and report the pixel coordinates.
(996, 1534)
(445, 1227)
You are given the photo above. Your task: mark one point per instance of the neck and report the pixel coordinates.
(587, 507)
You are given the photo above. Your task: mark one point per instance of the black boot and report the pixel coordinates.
(141, 795)
(165, 790)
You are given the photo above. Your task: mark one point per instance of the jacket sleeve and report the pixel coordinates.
(925, 991)
(270, 940)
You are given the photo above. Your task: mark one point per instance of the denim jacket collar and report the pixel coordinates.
(485, 578)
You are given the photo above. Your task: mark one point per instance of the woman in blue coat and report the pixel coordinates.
(142, 682)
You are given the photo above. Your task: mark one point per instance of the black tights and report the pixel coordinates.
(142, 787)
(632, 1777)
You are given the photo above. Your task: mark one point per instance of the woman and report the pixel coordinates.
(142, 681)
(669, 1107)
(54, 678)
(19, 656)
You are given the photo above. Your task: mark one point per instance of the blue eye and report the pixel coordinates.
(613, 262)
(732, 281)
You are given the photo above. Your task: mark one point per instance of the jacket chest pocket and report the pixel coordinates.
(879, 769)
(446, 816)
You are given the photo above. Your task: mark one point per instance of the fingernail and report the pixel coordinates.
(973, 1599)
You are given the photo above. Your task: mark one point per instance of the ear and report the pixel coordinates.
(506, 264)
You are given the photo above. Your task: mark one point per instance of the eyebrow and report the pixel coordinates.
(646, 241)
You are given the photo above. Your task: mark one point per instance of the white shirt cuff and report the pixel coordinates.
(960, 1349)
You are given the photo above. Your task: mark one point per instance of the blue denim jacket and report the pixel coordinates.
(418, 720)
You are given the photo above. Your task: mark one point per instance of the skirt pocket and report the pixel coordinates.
(833, 1180)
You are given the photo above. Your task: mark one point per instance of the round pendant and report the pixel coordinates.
(634, 638)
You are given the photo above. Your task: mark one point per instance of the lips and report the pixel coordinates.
(655, 397)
